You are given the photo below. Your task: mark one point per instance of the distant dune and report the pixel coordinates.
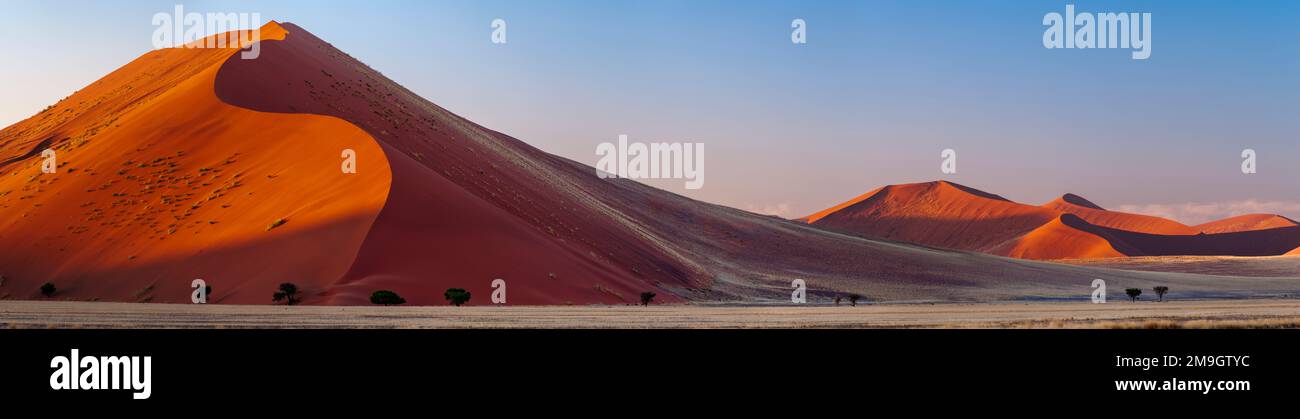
(1249, 222)
(949, 215)
(195, 163)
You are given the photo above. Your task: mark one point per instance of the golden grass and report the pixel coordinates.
(1156, 323)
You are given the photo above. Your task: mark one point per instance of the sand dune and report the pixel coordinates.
(1062, 238)
(940, 214)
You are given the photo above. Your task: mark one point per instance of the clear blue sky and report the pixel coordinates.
(879, 90)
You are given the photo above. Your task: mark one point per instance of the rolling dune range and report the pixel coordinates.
(195, 163)
(953, 216)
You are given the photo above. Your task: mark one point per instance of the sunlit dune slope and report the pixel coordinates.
(1067, 237)
(159, 183)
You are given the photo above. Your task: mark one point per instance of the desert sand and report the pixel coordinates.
(1270, 313)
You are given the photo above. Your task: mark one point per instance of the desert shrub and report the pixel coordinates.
(1133, 293)
(853, 299)
(647, 297)
(457, 296)
(288, 293)
(48, 289)
(386, 298)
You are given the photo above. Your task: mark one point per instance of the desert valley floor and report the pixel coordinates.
(1246, 313)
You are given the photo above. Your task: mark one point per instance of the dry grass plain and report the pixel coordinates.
(1251, 313)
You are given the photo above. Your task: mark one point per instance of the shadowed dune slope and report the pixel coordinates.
(159, 183)
(467, 205)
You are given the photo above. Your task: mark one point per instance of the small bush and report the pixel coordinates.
(1133, 293)
(456, 296)
(48, 289)
(288, 293)
(853, 299)
(386, 298)
(647, 297)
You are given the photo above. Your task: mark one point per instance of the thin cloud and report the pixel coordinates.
(1193, 213)
(782, 210)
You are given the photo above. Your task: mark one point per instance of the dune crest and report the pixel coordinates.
(1249, 222)
(1095, 214)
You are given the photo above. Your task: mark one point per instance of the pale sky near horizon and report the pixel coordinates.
(878, 91)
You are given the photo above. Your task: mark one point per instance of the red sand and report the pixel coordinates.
(952, 216)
